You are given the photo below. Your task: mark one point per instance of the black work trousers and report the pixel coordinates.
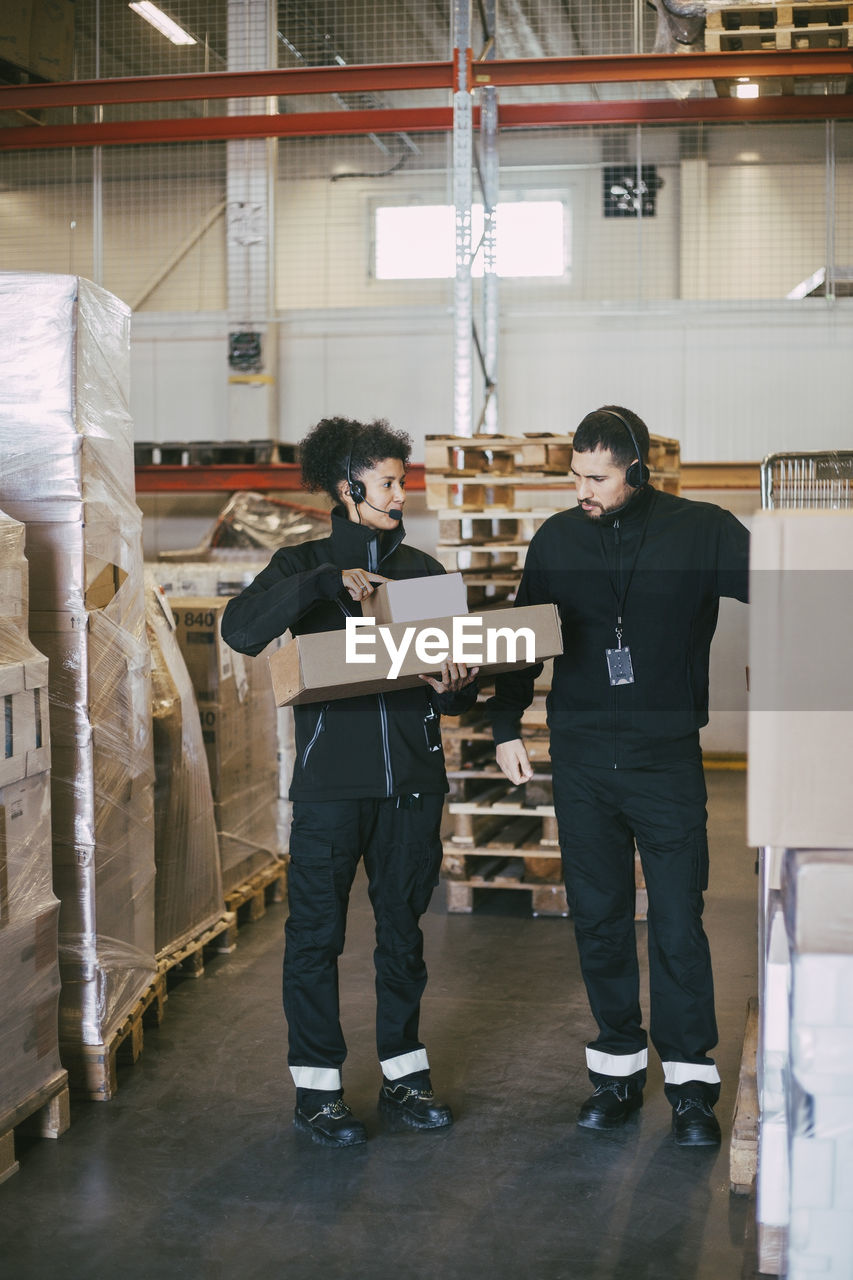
(399, 841)
(600, 814)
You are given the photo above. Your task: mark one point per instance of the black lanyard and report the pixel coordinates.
(621, 597)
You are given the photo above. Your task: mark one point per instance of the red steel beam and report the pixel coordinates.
(385, 77)
(260, 477)
(429, 120)
(388, 77)
(302, 124)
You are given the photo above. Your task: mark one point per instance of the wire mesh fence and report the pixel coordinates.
(694, 212)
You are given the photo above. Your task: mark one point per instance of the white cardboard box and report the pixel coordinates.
(441, 595)
(801, 693)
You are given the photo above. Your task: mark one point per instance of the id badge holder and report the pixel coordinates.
(619, 666)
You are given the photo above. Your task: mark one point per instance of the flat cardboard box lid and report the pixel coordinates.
(314, 668)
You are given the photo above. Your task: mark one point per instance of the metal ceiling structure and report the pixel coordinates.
(393, 68)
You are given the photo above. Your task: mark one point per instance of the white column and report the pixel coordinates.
(463, 301)
(250, 193)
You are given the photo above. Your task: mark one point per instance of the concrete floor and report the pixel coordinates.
(194, 1169)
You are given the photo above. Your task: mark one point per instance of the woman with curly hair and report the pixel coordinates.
(369, 781)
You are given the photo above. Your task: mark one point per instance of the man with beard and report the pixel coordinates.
(637, 575)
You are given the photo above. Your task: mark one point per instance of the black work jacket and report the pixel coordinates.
(668, 560)
(371, 746)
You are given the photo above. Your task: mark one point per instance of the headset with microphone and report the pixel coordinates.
(358, 494)
(638, 473)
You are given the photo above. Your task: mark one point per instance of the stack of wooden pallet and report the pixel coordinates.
(488, 492)
(493, 492)
(807, 25)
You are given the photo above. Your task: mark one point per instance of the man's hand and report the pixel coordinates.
(454, 676)
(359, 583)
(514, 761)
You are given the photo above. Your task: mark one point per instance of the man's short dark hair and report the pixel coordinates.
(600, 429)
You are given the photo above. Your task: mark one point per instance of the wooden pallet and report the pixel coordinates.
(45, 1113)
(497, 495)
(545, 899)
(249, 901)
(476, 529)
(498, 557)
(762, 16)
(540, 454)
(502, 843)
(92, 1068)
(186, 956)
(743, 1151)
(781, 26)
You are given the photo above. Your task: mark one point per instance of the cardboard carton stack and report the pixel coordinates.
(66, 472)
(238, 722)
(221, 574)
(29, 970)
(189, 896)
(800, 748)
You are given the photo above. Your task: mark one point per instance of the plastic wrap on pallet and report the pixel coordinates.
(29, 1047)
(189, 893)
(66, 471)
(818, 897)
(226, 573)
(239, 726)
(252, 520)
(29, 970)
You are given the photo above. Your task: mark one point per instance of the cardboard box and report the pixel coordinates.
(314, 668)
(818, 896)
(25, 741)
(29, 1047)
(239, 730)
(25, 848)
(417, 599)
(801, 694)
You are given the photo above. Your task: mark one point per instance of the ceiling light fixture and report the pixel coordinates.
(747, 90)
(165, 25)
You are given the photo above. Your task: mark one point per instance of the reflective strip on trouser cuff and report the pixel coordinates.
(616, 1064)
(405, 1064)
(685, 1072)
(325, 1078)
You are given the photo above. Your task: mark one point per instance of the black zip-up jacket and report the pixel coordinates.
(371, 746)
(675, 559)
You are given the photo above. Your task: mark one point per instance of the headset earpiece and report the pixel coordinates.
(356, 488)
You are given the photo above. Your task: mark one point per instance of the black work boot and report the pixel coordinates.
(610, 1105)
(693, 1121)
(329, 1123)
(413, 1105)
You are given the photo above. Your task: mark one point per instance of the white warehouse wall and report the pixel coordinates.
(731, 382)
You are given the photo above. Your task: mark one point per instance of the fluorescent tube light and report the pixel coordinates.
(164, 24)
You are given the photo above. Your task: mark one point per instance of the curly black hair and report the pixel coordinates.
(326, 449)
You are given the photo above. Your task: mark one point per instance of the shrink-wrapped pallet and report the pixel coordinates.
(66, 471)
(238, 718)
(29, 971)
(189, 895)
(225, 572)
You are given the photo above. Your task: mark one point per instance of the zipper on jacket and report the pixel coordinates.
(317, 731)
(614, 706)
(373, 555)
(386, 750)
